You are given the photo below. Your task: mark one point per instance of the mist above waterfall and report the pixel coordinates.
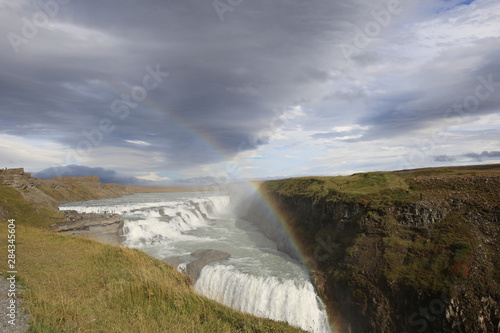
(247, 202)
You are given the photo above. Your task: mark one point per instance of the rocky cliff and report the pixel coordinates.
(412, 251)
(16, 178)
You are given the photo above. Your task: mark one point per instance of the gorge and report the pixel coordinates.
(405, 251)
(409, 251)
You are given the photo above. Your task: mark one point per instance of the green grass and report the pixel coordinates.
(24, 212)
(368, 188)
(76, 190)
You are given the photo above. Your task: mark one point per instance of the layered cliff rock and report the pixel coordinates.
(413, 251)
(16, 178)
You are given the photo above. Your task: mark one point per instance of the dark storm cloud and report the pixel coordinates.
(225, 78)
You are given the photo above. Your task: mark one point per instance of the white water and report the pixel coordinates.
(256, 279)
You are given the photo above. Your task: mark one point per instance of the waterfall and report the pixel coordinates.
(255, 277)
(287, 300)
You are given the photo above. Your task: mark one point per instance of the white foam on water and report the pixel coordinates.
(292, 301)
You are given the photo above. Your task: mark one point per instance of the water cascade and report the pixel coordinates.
(257, 278)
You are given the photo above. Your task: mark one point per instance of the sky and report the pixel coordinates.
(189, 92)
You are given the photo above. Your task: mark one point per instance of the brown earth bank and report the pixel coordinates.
(407, 251)
(104, 228)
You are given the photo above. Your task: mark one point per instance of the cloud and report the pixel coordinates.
(414, 76)
(478, 157)
(138, 142)
(92, 53)
(230, 84)
(444, 158)
(343, 133)
(440, 96)
(111, 176)
(200, 181)
(484, 155)
(105, 175)
(153, 177)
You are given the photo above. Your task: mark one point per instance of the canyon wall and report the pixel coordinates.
(394, 252)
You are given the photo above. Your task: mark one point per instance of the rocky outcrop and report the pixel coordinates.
(105, 228)
(203, 258)
(16, 178)
(420, 215)
(191, 265)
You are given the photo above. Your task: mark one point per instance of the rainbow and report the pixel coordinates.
(266, 202)
(211, 145)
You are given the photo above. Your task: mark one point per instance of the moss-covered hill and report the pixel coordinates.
(414, 251)
(77, 285)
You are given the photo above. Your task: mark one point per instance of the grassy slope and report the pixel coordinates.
(76, 285)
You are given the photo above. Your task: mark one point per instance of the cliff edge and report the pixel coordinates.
(408, 251)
